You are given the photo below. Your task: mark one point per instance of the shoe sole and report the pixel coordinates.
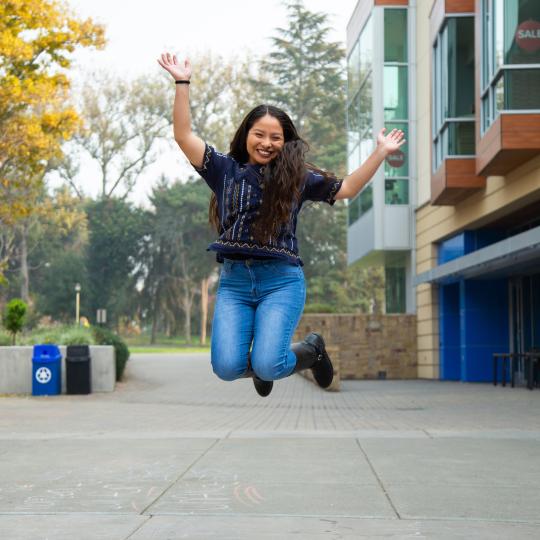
(263, 388)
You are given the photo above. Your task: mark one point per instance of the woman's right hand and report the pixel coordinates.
(179, 71)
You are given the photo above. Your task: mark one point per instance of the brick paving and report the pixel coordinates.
(176, 453)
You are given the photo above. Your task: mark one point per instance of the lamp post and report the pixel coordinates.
(77, 302)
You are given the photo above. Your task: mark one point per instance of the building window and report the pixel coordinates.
(453, 90)
(395, 101)
(510, 58)
(359, 99)
(395, 289)
(360, 204)
(396, 191)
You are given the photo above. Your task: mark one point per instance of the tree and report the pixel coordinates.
(36, 40)
(180, 268)
(306, 77)
(116, 232)
(14, 317)
(123, 121)
(56, 255)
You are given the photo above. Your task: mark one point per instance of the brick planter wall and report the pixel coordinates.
(365, 346)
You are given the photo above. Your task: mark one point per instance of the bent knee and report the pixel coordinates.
(270, 370)
(228, 369)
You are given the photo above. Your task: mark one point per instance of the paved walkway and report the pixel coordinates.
(175, 453)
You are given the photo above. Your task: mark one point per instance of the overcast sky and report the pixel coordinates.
(139, 30)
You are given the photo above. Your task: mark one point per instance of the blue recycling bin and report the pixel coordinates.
(46, 370)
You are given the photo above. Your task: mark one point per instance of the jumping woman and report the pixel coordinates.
(258, 189)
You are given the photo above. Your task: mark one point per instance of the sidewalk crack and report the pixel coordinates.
(386, 494)
(194, 462)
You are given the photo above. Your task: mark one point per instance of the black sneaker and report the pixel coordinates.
(322, 369)
(263, 387)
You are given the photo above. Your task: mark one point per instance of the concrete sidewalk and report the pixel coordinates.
(175, 453)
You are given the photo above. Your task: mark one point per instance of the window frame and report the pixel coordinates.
(491, 73)
(440, 125)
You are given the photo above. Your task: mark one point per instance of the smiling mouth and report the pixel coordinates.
(264, 153)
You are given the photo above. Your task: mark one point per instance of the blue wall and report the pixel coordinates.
(483, 326)
(449, 332)
(467, 242)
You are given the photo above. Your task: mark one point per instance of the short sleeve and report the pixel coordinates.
(214, 167)
(320, 188)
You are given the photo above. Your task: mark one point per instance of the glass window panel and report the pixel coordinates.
(396, 191)
(366, 50)
(521, 40)
(485, 112)
(461, 139)
(397, 164)
(499, 98)
(366, 145)
(485, 43)
(435, 154)
(353, 159)
(444, 74)
(460, 67)
(497, 31)
(365, 105)
(366, 199)
(395, 290)
(353, 70)
(353, 210)
(521, 89)
(353, 121)
(395, 93)
(395, 35)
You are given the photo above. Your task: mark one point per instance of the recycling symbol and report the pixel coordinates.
(43, 375)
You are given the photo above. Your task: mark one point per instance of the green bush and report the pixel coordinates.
(319, 308)
(14, 317)
(60, 335)
(77, 335)
(106, 337)
(5, 339)
(43, 336)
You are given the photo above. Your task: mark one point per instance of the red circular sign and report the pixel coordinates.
(396, 159)
(528, 36)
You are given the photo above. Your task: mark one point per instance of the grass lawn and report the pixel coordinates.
(166, 344)
(157, 349)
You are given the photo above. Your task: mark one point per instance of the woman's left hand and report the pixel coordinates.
(391, 142)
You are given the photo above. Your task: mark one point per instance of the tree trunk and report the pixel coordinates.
(154, 329)
(187, 303)
(25, 277)
(205, 283)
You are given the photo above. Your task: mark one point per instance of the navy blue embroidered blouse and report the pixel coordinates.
(239, 190)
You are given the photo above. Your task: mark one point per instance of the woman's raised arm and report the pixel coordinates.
(189, 143)
(356, 180)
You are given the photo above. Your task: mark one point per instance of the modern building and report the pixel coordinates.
(381, 82)
(472, 268)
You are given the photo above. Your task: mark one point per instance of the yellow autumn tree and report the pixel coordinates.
(37, 38)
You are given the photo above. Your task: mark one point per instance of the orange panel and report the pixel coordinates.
(459, 6)
(391, 2)
(455, 181)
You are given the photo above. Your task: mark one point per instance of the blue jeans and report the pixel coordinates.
(258, 306)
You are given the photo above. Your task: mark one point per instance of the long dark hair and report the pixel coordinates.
(283, 176)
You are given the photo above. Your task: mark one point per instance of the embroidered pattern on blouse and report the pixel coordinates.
(332, 193)
(256, 246)
(207, 154)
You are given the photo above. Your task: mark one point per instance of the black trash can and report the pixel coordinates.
(78, 370)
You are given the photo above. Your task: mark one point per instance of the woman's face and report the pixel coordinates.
(264, 140)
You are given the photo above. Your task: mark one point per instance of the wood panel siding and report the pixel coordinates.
(511, 140)
(454, 181)
(391, 2)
